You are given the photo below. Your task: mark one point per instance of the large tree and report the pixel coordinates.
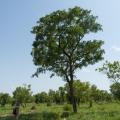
(59, 46)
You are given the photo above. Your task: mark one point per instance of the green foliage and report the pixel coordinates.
(41, 97)
(49, 103)
(115, 90)
(99, 95)
(51, 95)
(51, 116)
(81, 90)
(62, 94)
(23, 94)
(4, 99)
(84, 92)
(33, 107)
(67, 107)
(112, 70)
(59, 41)
(65, 114)
(109, 111)
(57, 97)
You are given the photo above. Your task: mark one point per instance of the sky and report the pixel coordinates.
(17, 17)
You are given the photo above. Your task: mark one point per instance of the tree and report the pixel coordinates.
(112, 70)
(57, 97)
(41, 97)
(81, 90)
(62, 94)
(4, 99)
(51, 95)
(23, 95)
(115, 90)
(59, 46)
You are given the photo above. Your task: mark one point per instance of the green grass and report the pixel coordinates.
(108, 111)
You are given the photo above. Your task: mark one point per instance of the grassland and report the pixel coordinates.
(106, 111)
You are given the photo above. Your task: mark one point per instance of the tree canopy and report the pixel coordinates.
(59, 41)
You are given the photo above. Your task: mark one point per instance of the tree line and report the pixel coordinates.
(84, 93)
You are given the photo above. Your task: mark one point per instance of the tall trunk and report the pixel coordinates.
(72, 96)
(73, 100)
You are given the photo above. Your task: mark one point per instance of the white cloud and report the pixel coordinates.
(116, 48)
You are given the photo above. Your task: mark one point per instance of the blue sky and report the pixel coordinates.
(16, 21)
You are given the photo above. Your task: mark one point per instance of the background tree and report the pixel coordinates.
(59, 46)
(41, 97)
(115, 90)
(112, 70)
(94, 95)
(23, 95)
(57, 97)
(51, 94)
(62, 95)
(81, 91)
(4, 99)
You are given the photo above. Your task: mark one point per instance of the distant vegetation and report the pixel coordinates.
(84, 93)
(92, 103)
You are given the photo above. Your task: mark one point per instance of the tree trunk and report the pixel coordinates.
(90, 103)
(78, 101)
(16, 110)
(72, 96)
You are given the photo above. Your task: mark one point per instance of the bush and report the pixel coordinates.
(67, 107)
(50, 116)
(65, 114)
(49, 104)
(33, 107)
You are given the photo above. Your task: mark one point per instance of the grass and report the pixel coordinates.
(106, 111)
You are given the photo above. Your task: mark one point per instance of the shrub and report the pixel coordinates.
(49, 104)
(65, 114)
(33, 107)
(50, 116)
(67, 107)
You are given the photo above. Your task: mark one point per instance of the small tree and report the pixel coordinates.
(59, 46)
(115, 90)
(51, 95)
(81, 90)
(23, 95)
(62, 94)
(112, 70)
(41, 97)
(4, 99)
